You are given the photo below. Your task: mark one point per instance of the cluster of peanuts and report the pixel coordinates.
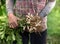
(35, 22)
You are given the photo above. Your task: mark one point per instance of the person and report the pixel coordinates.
(43, 7)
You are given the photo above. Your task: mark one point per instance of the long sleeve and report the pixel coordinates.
(41, 5)
(50, 5)
(9, 6)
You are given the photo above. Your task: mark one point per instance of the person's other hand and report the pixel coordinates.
(12, 21)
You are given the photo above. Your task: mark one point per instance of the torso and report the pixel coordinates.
(29, 6)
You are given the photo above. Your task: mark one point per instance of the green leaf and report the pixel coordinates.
(2, 36)
(8, 38)
(18, 38)
(2, 32)
(13, 36)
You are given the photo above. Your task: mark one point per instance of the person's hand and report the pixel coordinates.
(12, 21)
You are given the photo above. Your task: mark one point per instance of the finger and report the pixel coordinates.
(15, 25)
(11, 26)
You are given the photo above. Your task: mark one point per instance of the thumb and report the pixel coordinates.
(18, 18)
